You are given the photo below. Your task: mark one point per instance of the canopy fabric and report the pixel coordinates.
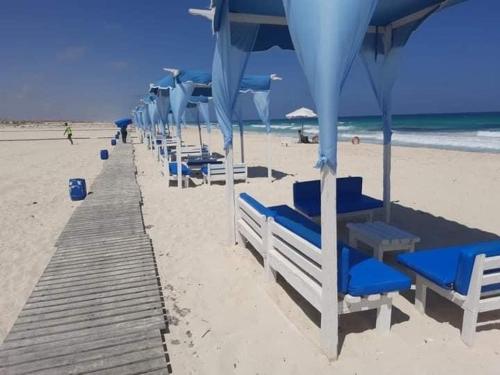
(179, 98)
(261, 100)
(163, 108)
(326, 47)
(255, 83)
(274, 31)
(124, 122)
(197, 77)
(301, 113)
(205, 114)
(167, 82)
(232, 48)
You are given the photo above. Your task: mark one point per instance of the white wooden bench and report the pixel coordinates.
(251, 226)
(299, 263)
(381, 237)
(486, 272)
(217, 172)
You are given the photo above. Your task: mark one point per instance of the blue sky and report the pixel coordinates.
(93, 59)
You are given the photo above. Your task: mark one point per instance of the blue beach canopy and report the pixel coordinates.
(327, 36)
(123, 123)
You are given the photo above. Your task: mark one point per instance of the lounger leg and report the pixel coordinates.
(469, 326)
(384, 313)
(420, 295)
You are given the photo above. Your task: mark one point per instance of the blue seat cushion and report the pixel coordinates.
(449, 267)
(438, 265)
(173, 169)
(358, 274)
(361, 275)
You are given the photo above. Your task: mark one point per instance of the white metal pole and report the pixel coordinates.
(242, 141)
(329, 302)
(179, 159)
(269, 162)
(230, 196)
(387, 181)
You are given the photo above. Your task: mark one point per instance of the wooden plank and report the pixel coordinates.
(86, 319)
(104, 269)
(70, 280)
(105, 359)
(127, 296)
(92, 263)
(80, 311)
(88, 294)
(93, 287)
(147, 287)
(67, 349)
(147, 322)
(111, 279)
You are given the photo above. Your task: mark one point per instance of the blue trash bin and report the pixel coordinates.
(104, 155)
(113, 142)
(77, 189)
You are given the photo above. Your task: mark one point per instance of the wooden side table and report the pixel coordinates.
(381, 237)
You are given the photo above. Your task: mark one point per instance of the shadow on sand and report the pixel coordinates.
(260, 171)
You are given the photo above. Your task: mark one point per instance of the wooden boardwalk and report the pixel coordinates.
(97, 307)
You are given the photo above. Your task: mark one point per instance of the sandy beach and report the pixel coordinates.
(35, 164)
(224, 318)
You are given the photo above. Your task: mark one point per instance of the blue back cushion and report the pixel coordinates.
(466, 263)
(252, 202)
(349, 186)
(310, 232)
(307, 195)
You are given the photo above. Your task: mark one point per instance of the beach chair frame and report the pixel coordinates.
(299, 263)
(217, 172)
(251, 227)
(173, 178)
(485, 272)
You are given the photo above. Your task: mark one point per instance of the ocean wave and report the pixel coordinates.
(460, 141)
(488, 133)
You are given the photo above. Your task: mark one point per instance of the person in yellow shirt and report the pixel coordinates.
(68, 132)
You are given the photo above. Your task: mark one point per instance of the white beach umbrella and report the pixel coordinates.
(301, 114)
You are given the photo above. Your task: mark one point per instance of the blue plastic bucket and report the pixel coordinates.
(113, 142)
(77, 189)
(104, 155)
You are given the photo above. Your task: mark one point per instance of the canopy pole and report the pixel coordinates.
(240, 125)
(209, 138)
(230, 195)
(179, 159)
(199, 131)
(329, 302)
(269, 159)
(242, 143)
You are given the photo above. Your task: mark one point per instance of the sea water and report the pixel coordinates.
(465, 131)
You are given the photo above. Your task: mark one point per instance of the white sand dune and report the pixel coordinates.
(224, 319)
